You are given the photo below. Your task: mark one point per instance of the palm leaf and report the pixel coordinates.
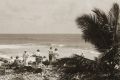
(96, 30)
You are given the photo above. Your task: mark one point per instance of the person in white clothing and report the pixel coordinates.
(25, 58)
(55, 54)
(11, 60)
(37, 53)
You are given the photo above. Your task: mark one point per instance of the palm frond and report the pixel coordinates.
(99, 28)
(96, 30)
(102, 30)
(114, 13)
(102, 18)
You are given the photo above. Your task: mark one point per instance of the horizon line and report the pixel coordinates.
(37, 33)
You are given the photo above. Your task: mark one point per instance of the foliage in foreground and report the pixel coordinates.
(79, 68)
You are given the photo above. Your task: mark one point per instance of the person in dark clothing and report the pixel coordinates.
(50, 51)
(17, 61)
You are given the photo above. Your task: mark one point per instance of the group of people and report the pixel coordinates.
(52, 55)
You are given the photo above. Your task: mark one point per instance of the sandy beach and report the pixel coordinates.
(67, 44)
(18, 50)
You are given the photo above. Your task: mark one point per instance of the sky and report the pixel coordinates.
(46, 16)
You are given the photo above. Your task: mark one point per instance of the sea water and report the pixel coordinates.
(67, 44)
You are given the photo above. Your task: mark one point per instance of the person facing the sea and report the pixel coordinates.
(38, 57)
(55, 54)
(50, 51)
(17, 61)
(11, 60)
(82, 55)
(25, 57)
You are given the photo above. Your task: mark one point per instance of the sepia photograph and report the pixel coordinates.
(59, 39)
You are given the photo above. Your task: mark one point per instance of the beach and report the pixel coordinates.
(16, 44)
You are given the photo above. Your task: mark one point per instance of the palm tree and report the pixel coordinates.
(102, 30)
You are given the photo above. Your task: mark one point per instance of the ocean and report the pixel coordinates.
(67, 44)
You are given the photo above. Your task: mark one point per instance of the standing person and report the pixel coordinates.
(82, 55)
(11, 62)
(50, 55)
(25, 58)
(38, 57)
(55, 54)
